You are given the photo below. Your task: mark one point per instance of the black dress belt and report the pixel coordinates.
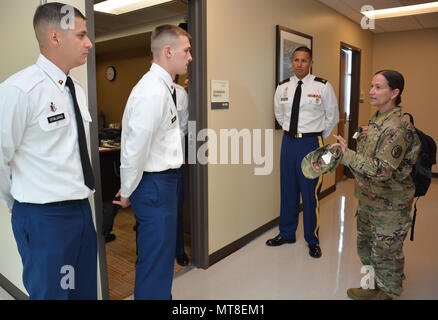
(63, 203)
(303, 135)
(162, 172)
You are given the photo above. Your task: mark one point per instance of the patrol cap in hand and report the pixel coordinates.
(326, 160)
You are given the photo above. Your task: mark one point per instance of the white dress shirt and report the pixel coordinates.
(318, 106)
(39, 151)
(182, 105)
(151, 138)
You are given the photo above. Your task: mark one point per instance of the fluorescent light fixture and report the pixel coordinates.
(124, 6)
(402, 11)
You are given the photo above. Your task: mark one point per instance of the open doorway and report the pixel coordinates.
(122, 45)
(349, 95)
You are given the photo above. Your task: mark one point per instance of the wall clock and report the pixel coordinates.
(110, 73)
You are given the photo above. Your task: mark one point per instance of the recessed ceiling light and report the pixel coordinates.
(402, 11)
(124, 6)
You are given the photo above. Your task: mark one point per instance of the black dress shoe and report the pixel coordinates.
(278, 241)
(315, 251)
(182, 260)
(110, 237)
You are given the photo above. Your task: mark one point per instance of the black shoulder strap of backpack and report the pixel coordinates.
(413, 219)
(411, 117)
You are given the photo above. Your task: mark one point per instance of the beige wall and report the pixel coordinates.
(140, 29)
(113, 95)
(131, 65)
(414, 54)
(20, 51)
(241, 49)
(21, 48)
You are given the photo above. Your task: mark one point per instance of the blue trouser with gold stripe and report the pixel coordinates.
(294, 183)
(58, 248)
(155, 207)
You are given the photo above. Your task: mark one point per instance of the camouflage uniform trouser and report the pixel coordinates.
(380, 237)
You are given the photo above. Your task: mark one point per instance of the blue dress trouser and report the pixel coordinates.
(155, 207)
(58, 248)
(293, 183)
(180, 222)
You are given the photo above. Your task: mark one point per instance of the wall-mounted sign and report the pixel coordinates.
(220, 94)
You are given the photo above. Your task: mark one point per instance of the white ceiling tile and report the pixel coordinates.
(351, 9)
(428, 20)
(399, 24)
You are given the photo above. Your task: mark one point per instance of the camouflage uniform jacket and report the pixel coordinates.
(384, 160)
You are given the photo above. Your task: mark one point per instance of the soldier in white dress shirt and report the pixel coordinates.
(151, 154)
(307, 110)
(45, 171)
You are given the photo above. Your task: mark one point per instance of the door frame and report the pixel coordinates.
(355, 93)
(94, 148)
(198, 112)
(198, 102)
(354, 98)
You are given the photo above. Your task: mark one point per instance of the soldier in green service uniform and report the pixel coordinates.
(386, 153)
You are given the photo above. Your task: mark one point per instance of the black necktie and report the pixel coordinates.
(83, 151)
(295, 109)
(174, 97)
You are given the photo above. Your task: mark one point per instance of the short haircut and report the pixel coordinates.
(304, 49)
(165, 35)
(51, 14)
(395, 81)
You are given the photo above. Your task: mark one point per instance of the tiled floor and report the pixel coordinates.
(288, 272)
(4, 295)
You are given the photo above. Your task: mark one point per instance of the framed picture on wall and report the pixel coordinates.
(287, 41)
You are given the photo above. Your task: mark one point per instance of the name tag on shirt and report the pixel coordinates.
(173, 116)
(56, 118)
(285, 96)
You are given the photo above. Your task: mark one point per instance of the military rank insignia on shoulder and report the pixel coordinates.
(284, 81)
(320, 80)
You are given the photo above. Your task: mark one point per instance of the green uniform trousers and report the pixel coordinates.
(380, 237)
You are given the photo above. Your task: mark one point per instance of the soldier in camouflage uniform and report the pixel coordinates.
(381, 166)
